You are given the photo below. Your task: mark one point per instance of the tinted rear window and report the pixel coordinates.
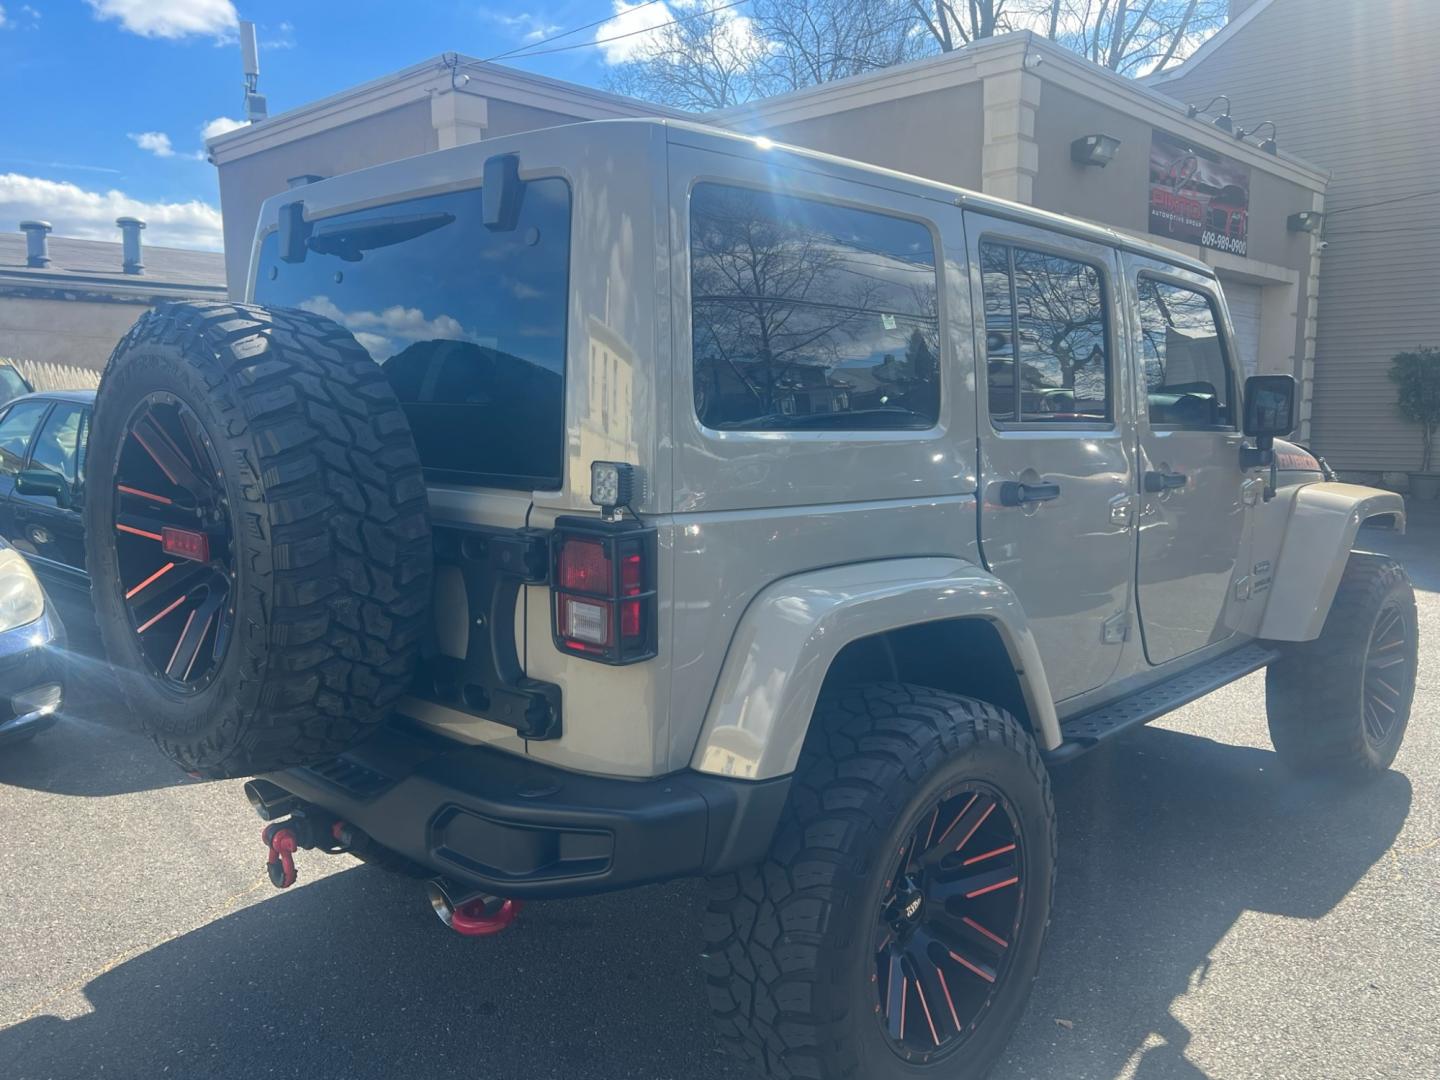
(468, 324)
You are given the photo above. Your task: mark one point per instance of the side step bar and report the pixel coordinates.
(1088, 729)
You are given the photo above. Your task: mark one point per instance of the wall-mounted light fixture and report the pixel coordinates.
(1094, 150)
(1305, 221)
(1223, 121)
(1269, 145)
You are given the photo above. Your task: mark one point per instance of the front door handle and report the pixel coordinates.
(1156, 482)
(1014, 493)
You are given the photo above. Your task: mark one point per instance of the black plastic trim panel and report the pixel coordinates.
(1089, 729)
(514, 826)
(489, 682)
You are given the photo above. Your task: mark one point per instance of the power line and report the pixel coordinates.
(1405, 229)
(630, 34)
(1384, 202)
(564, 34)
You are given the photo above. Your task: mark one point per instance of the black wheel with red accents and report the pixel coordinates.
(896, 927)
(950, 909)
(256, 536)
(175, 542)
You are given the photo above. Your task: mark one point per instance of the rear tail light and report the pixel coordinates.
(603, 590)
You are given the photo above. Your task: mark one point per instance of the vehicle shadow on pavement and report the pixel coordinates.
(353, 976)
(1167, 840)
(92, 750)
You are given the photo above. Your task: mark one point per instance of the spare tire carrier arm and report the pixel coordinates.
(490, 682)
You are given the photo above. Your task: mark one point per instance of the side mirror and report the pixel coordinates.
(43, 482)
(1269, 408)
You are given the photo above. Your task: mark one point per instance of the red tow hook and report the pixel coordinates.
(472, 919)
(282, 842)
(468, 911)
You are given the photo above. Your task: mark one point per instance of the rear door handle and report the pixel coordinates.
(1156, 482)
(1014, 493)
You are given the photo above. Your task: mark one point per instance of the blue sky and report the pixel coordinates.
(106, 100)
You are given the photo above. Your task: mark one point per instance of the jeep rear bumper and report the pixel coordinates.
(516, 827)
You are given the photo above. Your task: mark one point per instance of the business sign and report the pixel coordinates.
(1197, 196)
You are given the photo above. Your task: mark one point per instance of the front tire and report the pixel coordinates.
(903, 800)
(1340, 704)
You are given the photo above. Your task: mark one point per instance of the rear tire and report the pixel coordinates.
(1340, 704)
(318, 502)
(795, 947)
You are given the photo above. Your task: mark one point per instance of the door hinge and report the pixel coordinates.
(1116, 629)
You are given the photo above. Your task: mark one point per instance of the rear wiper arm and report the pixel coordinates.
(349, 240)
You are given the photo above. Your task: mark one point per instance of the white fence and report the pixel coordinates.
(46, 375)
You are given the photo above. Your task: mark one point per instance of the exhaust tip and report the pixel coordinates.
(440, 901)
(467, 911)
(270, 801)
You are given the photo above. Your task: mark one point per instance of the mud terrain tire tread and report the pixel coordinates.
(770, 930)
(1313, 693)
(333, 533)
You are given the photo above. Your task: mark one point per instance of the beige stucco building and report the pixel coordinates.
(999, 116)
(1354, 86)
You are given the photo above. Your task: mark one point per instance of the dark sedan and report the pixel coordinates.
(42, 492)
(32, 647)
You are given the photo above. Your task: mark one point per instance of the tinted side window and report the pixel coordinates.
(810, 316)
(12, 383)
(57, 447)
(1187, 381)
(1046, 340)
(15, 431)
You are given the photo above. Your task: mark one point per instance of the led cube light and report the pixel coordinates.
(613, 483)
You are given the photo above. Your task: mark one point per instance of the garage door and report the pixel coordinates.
(1244, 304)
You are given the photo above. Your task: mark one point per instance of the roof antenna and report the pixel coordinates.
(255, 107)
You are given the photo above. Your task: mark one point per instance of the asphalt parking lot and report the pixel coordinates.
(1216, 918)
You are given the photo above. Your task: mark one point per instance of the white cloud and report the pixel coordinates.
(634, 29)
(283, 36)
(539, 32)
(170, 18)
(91, 215)
(157, 142)
(531, 28)
(219, 126)
(384, 333)
(24, 17)
(630, 19)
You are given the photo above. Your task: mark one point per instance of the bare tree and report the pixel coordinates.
(950, 28)
(1128, 36)
(816, 42)
(710, 58)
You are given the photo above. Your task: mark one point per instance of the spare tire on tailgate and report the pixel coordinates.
(256, 534)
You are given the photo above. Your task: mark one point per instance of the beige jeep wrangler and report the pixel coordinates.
(630, 500)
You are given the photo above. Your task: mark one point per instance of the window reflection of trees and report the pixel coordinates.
(810, 315)
(1186, 379)
(1054, 307)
